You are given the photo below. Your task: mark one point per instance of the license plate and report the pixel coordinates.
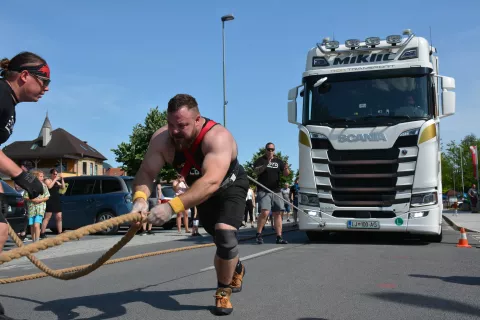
(363, 224)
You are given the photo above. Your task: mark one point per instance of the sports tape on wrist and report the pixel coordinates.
(139, 194)
(177, 205)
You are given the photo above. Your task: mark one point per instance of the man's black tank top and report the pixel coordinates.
(195, 173)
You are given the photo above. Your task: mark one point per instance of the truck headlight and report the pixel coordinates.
(314, 135)
(314, 213)
(410, 132)
(308, 199)
(418, 214)
(423, 199)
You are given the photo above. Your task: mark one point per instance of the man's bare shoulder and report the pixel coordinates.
(217, 137)
(160, 140)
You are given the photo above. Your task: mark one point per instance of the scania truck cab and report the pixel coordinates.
(369, 136)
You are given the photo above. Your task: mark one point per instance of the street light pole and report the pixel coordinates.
(461, 168)
(227, 17)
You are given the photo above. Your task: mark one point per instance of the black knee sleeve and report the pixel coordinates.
(226, 241)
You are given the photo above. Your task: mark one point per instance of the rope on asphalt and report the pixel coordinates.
(83, 270)
(123, 259)
(76, 272)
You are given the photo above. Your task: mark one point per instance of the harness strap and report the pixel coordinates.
(189, 160)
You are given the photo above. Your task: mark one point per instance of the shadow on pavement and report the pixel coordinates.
(466, 280)
(112, 305)
(364, 238)
(428, 302)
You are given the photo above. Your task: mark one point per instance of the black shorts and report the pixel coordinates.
(227, 206)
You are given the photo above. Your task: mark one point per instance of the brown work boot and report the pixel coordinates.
(237, 280)
(223, 306)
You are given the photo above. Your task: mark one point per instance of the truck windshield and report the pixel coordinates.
(344, 99)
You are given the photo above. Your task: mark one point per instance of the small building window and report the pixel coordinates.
(96, 169)
(84, 168)
(91, 169)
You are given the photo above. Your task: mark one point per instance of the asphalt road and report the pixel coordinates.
(348, 277)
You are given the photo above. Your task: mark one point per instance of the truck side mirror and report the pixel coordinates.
(292, 105)
(292, 111)
(448, 97)
(448, 83)
(448, 103)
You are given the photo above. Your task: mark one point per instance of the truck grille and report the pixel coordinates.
(364, 178)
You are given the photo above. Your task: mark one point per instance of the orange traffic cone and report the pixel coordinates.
(463, 241)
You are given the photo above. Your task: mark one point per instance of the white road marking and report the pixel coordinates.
(249, 257)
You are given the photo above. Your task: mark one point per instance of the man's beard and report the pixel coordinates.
(182, 143)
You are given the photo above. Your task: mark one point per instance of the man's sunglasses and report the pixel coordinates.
(270, 149)
(45, 81)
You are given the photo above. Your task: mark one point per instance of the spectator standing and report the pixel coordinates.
(473, 195)
(54, 184)
(36, 208)
(249, 206)
(294, 198)
(286, 205)
(268, 169)
(180, 186)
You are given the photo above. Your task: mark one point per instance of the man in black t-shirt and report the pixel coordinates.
(268, 169)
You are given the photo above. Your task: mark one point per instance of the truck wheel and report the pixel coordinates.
(102, 216)
(436, 238)
(317, 235)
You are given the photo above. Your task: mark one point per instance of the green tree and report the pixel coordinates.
(261, 151)
(130, 154)
(454, 157)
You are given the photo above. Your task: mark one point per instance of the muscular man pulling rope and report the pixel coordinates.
(205, 153)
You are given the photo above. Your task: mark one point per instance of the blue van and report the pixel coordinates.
(92, 199)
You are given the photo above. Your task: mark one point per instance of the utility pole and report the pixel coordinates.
(227, 17)
(461, 168)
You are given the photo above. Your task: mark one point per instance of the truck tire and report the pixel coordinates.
(436, 238)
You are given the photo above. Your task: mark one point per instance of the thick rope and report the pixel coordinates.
(27, 250)
(129, 258)
(281, 198)
(80, 271)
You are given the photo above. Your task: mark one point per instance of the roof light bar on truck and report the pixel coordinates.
(370, 44)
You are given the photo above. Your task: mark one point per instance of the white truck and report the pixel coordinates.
(369, 143)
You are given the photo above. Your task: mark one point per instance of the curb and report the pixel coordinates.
(457, 227)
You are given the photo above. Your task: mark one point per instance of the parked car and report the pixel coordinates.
(167, 194)
(92, 199)
(13, 208)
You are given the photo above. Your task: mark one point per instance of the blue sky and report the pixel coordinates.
(111, 61)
